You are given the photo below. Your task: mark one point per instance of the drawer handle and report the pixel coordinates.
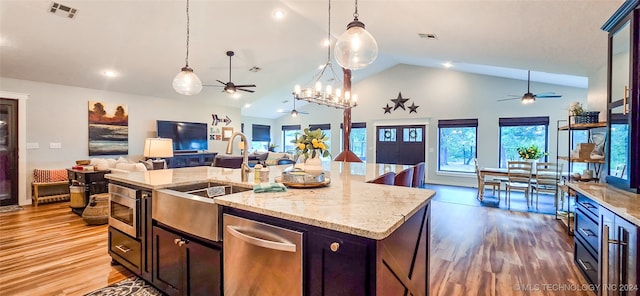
(334, 247)
(584, 265)
(180, 242)
(123, 249)
(587, 205)
(586, 232)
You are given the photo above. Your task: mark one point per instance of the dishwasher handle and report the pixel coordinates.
(281, 245)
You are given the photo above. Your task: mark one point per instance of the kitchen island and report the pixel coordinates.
(358, 237)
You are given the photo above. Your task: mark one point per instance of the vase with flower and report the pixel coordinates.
(531, 153)
(312, 144)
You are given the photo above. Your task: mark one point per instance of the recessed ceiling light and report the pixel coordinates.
(447, 64)
(326, 42)
(110, 73)
(278, 14)
(280, 110)
(247, 105)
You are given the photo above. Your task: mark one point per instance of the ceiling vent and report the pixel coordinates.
(63, 10)
(255, 69)
(428, 36)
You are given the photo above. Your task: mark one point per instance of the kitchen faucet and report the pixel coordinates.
(244, 173)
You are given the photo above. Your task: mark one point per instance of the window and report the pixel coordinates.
(261, 137)
(457, 145)
(357, 139)
(326, 128)
(387, 135)
(522, 131)
(289, 134)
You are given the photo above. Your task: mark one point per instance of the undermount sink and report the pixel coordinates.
(191, 208)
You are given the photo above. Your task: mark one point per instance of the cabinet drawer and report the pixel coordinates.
(588, 230)
(586, 262)
(125, 247)
(589, 206)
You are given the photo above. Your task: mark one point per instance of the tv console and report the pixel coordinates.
(191, 159)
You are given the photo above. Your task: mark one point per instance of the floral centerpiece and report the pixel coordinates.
(532, 152)
(312, 143)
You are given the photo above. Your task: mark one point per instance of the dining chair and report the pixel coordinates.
(386, 178)
(404, 178)
(483, 183)
(418, 175)
(547, 179)
(519, 179)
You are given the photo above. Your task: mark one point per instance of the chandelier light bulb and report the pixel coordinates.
(297, 89)
(187, 83)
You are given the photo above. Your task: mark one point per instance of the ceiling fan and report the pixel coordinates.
(293, 111)
(529, 97)
(231, 87)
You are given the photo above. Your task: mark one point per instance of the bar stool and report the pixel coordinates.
(418, 175)
(404, 178)
(386, 178)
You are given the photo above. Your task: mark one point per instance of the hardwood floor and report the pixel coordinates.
(474, 251)
(50, 251)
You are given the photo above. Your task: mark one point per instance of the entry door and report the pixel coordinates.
(400, 144)
(8, 152)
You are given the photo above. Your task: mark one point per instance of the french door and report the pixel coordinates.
(400, 144)
(8, 152)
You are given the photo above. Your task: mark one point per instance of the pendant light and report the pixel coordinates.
(186, 82)
(356, 48)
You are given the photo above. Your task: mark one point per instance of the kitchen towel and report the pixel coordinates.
(269, 187)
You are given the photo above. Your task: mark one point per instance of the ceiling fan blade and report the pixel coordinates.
(222, 82)
(247, 90)
(246, 85)
(302, 112)
(548, 96)
(545, 93)
(509, 99)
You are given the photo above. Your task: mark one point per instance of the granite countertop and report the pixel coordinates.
(348, 204)
(625, 204)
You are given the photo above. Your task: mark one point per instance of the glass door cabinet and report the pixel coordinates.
(623, 115)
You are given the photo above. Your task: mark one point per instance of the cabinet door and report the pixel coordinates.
(627, 256)
(204, 273)
(336, 266)
(168, 271)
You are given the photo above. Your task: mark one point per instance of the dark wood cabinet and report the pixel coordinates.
(337, 265)
(190, 160)
(183, 265)
(619, 255)
(623, 116)
(586, 239)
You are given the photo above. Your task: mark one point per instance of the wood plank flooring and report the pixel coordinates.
(474, 251)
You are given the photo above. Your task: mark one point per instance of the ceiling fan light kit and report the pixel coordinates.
(356, 48)
(186, 82)
(530, 98)
(327, 96)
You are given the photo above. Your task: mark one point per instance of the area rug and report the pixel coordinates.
(130, 287)
(7, 209)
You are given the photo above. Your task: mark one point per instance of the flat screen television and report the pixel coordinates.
(186, 136)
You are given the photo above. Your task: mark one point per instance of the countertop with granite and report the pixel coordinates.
(623, 203)
(348, 204)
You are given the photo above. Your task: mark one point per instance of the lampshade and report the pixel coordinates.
(356, 48)
(187, 83)
(158, 147)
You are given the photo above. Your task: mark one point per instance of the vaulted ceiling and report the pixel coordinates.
(144, 41)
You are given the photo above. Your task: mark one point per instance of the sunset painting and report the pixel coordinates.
(108, 129)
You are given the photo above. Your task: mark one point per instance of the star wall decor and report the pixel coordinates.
(399, 102)
(413, 108)
(387, 109)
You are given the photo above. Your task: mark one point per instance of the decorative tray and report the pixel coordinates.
(300, 179)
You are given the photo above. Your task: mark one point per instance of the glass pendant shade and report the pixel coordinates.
(187, 83)
(356, 48)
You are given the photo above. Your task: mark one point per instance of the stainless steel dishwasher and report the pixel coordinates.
(261, 259)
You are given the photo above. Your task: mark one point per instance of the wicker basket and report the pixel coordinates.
(77, 196)
(97, 212)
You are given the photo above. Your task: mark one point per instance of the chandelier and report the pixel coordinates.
(327, 96)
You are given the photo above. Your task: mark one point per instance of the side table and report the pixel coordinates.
(93, 183)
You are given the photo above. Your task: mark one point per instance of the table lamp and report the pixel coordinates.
(158, 147)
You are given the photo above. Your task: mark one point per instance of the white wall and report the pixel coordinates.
(59, 114)
(443, 94)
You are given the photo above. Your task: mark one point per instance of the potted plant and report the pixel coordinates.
(272, 147)
(532, 152)
(312, 144)
(576, 110)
